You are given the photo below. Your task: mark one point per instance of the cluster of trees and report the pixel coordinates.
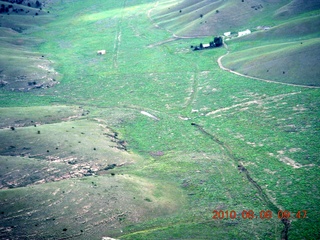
(11, 8)
(217, 41)
(6, 9)
(14, 1)
(36, 4)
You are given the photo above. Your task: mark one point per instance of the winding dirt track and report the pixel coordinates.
(255, 78)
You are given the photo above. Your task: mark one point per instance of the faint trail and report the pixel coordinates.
(251, 102)
(264, 197)
(150, 230)
(174, 36)
(194, 89)
(116, 47)
(117, 39)
(255, 78)
(162, 42)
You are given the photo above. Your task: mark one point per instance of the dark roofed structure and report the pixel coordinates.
(217, 42)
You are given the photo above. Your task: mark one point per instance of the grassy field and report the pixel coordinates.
(146, 141)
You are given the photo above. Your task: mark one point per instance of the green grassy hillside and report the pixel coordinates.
(288, 21)
(286, 53)
(207, 18)
(296, 7)
(21, 67)
(292, 62)
(152, 140)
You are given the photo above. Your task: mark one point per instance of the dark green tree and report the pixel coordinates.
(38, 4)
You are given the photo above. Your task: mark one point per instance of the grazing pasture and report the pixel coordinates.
(152, 139)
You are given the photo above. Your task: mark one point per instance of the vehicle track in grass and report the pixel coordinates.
(195, 80)
(194, 87)
(259, 101)
(117, 38)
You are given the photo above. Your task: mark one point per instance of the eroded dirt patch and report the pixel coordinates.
(53, 152)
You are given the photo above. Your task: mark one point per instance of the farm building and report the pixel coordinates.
(101, 52)
(243, 33)
(217, 42)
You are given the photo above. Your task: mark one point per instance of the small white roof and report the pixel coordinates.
(245, 32)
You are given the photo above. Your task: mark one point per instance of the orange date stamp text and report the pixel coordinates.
(263, 214)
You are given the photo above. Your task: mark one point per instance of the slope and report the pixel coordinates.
(207, 18)
(286, 53)
(288, 21)
(21, 67)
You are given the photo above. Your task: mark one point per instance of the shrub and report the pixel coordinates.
(38, 4)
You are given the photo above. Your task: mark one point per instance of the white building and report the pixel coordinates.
(101, 52)
(227, 34)
(243, 33)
